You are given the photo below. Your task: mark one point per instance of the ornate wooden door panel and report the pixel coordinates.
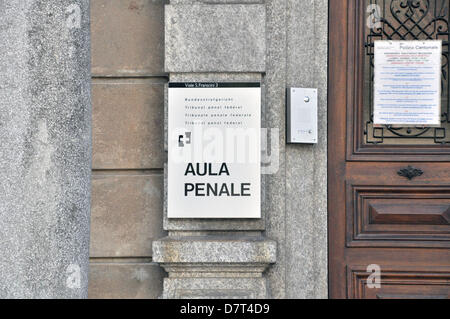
(389, 187)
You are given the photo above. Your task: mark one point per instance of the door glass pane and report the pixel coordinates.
(405, 20)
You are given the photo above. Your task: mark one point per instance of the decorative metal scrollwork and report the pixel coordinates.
(409, 20)
(410, 172)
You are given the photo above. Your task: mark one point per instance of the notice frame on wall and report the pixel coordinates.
(214, 150)
(407, 82)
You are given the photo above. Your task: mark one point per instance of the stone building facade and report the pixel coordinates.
(84, 152)
(282, 255)
(137, 47)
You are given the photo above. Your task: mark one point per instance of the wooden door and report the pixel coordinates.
(389, 187)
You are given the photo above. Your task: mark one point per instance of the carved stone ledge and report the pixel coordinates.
(214, 267)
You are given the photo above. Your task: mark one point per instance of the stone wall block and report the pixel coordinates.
(215, 38)
(215, 267)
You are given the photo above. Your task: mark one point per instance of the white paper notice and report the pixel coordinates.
(407, 84)
(214, 141)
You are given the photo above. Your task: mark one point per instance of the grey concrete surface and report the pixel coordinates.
(45, 150)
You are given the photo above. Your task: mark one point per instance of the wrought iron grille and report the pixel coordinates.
(407, 20)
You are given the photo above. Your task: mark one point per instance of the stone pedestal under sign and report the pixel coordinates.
(281, 44)
(215, 267)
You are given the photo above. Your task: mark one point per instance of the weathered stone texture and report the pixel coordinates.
(215, 288)
(127, 37)
(296, 195)
(213, 224)
(128, 124)
(45, 152)
(116, 280)
(216, 1)
(126, 214)
(128, 152)
(214, 250)
(215, 266)
(215, 38)
(275, 80)
(306, 165)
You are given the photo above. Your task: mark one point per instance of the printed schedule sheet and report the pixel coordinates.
(407, 83)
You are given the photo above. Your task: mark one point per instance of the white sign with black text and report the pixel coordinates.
(407, 83)
(214, 141)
